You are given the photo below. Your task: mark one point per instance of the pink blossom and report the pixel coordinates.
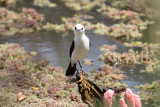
(122, 103)
(137, 101)
(107, 98)
(130, 98)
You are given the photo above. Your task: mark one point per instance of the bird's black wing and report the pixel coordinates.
(71, 48)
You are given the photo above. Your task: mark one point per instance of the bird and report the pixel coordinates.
(78, 49)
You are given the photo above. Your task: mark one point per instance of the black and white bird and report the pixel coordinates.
(79, 49)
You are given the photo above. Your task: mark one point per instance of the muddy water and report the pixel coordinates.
(55, 46)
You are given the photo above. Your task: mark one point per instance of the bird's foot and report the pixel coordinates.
(77, 70)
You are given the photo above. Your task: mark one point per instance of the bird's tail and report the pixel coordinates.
(71, 70)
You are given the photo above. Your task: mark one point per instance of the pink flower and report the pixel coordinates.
(130, 98)
(107, 98)
(137, 101)
(122, 103)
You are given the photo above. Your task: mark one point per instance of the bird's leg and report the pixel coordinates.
(80, 65)
(77, 70)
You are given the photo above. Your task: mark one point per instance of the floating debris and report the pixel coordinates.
(21, 97)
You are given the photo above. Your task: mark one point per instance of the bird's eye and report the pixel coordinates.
(75, 28)
(81, 28)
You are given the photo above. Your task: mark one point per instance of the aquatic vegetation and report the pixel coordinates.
(6, 3)
(82, 5)
(94, 95)
(146, 7)
(42, 3)
(122, 15)
(127, 32)
(130, 17)
(108, 47)
(108, 77)
(87, 62)
(27, 21)
(147, 56)
(150, 93)
(38, 83)
(157, 33)
(99, 28)
(135, 44)
(67, 24)
(142, 25)
(117, 14)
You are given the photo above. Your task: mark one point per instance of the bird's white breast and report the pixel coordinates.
(81, 48)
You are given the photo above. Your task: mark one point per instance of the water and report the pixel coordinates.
(55, 46)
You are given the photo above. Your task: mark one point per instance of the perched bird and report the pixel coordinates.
(79, 49)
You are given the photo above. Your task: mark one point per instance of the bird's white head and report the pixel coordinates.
(79, 29)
